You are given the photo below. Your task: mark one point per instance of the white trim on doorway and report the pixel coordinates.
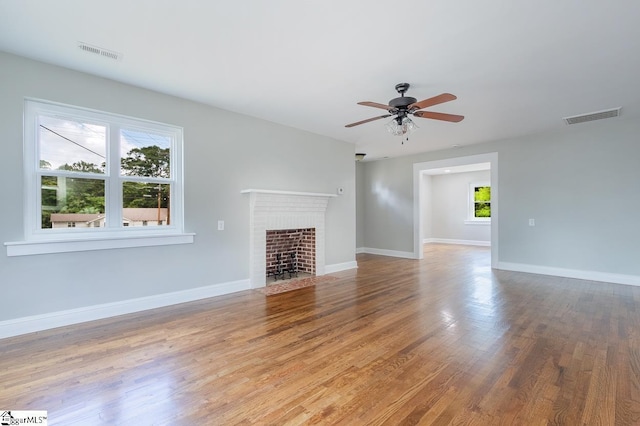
(419, 168)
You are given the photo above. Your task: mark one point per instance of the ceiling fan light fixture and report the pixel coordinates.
(393, 128)
(401, 126)
(409, 125)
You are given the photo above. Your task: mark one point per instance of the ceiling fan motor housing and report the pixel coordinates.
(402, 102)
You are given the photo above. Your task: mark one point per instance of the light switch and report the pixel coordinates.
(532, 222)
(221, 225)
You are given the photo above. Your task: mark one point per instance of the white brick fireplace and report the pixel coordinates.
(273, 210)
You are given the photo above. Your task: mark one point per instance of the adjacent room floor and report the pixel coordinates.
(441, 341)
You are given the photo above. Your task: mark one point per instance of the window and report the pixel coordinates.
(103, 173)
(479, 203)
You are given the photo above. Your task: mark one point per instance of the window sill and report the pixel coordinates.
(27, 248)
(477, 222)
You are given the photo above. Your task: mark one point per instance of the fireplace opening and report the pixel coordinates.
(290, 253)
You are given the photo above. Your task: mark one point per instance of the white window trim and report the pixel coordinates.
(471, 219)
(39, 241)
(478, 221)
(27, 248)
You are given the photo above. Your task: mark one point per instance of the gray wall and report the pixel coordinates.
(427, 206)
(360, 213)
(580, 183)
(448, 207)
(387, 191)
(224, 153)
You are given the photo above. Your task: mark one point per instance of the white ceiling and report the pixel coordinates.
(516, 67)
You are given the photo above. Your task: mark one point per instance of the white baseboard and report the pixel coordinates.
(384, 252)
(337, 267)
(15, 327)
(572, 273)
(461, 242)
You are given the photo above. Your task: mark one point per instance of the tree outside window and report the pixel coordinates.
(479, 203)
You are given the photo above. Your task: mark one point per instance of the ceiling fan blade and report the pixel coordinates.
(375, 105)
(445, 97)
(357, 123)
(439, 116)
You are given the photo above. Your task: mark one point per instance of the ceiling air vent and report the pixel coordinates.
(598, 115)
(110, 54)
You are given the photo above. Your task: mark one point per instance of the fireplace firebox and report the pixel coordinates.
(289, 251)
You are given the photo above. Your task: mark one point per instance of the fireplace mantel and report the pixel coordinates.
(271, 191)
(271, 210)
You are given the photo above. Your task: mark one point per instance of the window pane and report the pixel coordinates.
(71, 145)
(71, 202)
(482, 210)
(144, 154)
(482, 193)
(146, 204)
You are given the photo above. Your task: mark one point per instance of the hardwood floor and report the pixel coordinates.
(440, 341)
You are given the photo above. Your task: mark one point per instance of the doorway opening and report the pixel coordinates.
(423, 173)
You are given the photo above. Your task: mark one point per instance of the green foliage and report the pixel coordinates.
(46, 219)
(483, 210)
(84, 195)
(49, 191)
(79, 196)
(482, 193)
(90, 210)
(83, 166)
(482, 200)
(49, 181)
(150, 161)
(142, 194)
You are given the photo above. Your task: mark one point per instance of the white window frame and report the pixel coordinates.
(114, 235)
(471, 202)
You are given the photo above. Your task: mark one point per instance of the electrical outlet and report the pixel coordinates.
(532, 222)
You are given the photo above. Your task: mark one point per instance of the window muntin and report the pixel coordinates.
(83, 164)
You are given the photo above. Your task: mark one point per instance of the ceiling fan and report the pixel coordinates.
(404, 106)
